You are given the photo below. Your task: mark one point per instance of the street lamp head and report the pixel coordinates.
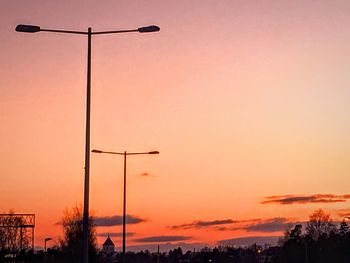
(148, 29)
(153, 152)
(27, 28)
(96, 151)
(48, 239)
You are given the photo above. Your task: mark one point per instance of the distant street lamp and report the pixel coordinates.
(89, 33)
(45, 240)
(124, 193)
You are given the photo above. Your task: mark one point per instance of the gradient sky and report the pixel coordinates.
(244, 100)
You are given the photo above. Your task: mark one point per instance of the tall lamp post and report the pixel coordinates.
(124, 192)
(45, 240)
(89, 33)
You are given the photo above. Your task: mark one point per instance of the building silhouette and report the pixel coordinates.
(108, 246)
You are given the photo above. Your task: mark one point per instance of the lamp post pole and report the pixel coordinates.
(124, 187)
(124, 208)
(89, 33)
(45, 240)
(87, 156)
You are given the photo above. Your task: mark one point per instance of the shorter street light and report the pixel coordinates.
(124, 194)
(45, 240)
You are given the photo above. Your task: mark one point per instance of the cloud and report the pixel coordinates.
(303, 199)
(145, 174)
(344, 213)
(262, 225)
(114, 234)
(156, 239)
(200, 224)
(222, 228)
(246, 241)
(267, 225)
(117, 220)
(277, 224)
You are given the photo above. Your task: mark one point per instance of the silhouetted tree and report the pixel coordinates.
(296, 233)
(294, 250)
(174, 255)
(319, 224)
(344, 228)
(72, 244)
(320, 244)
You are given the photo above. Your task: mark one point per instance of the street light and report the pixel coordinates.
(124, 193)
(45, 240)
(89, 33)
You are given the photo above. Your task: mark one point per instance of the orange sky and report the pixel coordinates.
(243, 99)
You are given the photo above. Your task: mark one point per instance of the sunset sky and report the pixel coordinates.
(246, 100)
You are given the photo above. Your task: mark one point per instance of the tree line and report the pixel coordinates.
(320, 240)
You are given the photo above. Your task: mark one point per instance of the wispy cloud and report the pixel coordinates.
(154, 239)
(115, 234)
(277, 224)
(267, 225)
(200, 224)
(262, 225)
(303, 199)
(117, 220)
(343, 213)
(145, 174)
